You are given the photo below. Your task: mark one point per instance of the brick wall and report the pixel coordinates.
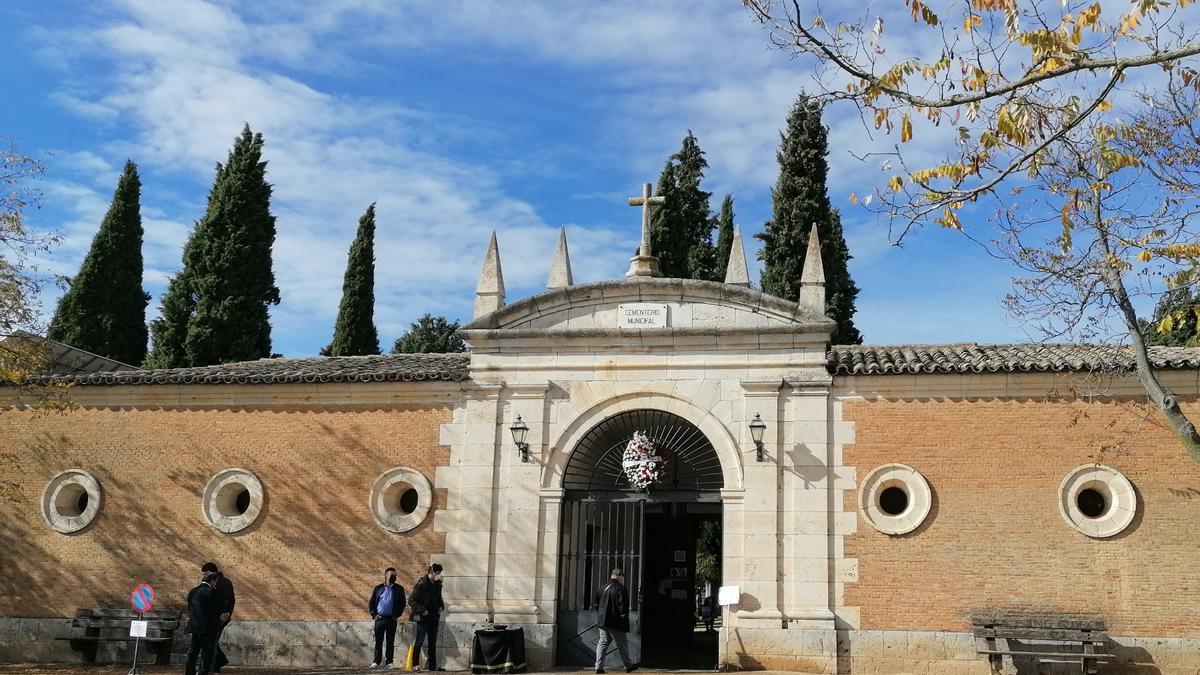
(314, 553)
(994, 537)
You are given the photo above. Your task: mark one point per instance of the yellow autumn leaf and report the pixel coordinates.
(1145, 256)
(1166, 324)
(1104, 106)
(949, 220)
(853, 198)
(896, 183)
(973, 20)
(1129, 23)
(905, 129)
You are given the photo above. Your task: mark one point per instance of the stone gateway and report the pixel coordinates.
(869, 503)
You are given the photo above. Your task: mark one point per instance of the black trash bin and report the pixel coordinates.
(498, 650)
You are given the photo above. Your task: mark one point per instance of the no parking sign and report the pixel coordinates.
(142, 599)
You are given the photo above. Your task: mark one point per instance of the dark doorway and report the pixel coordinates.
(657, 536)
(680, 572)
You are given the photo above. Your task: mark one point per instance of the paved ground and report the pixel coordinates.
(114, 669)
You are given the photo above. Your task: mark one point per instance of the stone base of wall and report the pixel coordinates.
(266, 643)
(350, 644)
(934, 653)
(803, 651)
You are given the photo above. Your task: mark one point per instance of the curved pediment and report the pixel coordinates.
(650, 305)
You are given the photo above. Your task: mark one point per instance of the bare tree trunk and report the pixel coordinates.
(1165, 399)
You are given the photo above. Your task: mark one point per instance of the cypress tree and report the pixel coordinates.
(724, 239)
(170, 329)
(216, 308)
(681, 229)
(800, 198)
(430, 335)
(354, 332)
(104, 310)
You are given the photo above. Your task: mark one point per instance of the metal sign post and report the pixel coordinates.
(141, 601)
(137, 630)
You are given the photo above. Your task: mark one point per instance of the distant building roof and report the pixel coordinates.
(1012, 358)
(381, 368)
(63, 359)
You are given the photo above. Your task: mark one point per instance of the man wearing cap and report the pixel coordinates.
(426, 608)
(613, 621)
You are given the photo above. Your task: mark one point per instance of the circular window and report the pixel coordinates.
(400, 499)
(71, 500)
(1097, 500)
(232, 500)
(1091, 502)
(895, 499)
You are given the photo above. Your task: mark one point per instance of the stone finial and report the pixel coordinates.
(489, 292)
(560, 269)
(736, 273)
(812, 280)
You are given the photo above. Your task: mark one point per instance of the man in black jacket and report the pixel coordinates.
(203, 623)
(385, 606)
(225, 599)
(612, 618)
(427, 608)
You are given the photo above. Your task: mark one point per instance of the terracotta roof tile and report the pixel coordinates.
(382, 368)
(842, 360)
(976, 358)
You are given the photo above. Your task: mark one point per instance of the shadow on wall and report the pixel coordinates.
(748, 602)
(314, 552)
(744, 661)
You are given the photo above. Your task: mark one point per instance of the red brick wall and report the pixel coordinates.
(995, 537)
(314, 553)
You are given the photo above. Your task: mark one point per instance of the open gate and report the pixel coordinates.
(596, 537)
(604, 521)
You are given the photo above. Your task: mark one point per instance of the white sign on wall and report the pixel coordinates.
(729, 595)
(137, 628)
(641, 315)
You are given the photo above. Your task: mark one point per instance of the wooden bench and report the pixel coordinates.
(92, 626)
(1044, 636)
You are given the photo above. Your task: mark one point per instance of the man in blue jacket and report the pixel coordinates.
(385, 606)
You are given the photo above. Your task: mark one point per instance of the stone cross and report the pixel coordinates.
(646, 201)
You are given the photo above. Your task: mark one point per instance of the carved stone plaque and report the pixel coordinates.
(642, 315)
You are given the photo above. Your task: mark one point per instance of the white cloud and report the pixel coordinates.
(186, 75)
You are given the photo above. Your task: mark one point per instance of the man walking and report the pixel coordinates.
(203, 623)
(613, 621)
(427, 608)
(223, 592)
(386, 604)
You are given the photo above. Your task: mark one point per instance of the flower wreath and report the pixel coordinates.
(643, 461)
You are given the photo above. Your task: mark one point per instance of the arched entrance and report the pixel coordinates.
(666, 538)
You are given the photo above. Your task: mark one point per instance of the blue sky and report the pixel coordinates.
(457, 118)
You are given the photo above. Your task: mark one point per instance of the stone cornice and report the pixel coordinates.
(643, 289)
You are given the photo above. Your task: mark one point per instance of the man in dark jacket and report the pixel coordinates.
(427, 608)
(225, 599)
(203, 623)
(612, 618)
(386, 605)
